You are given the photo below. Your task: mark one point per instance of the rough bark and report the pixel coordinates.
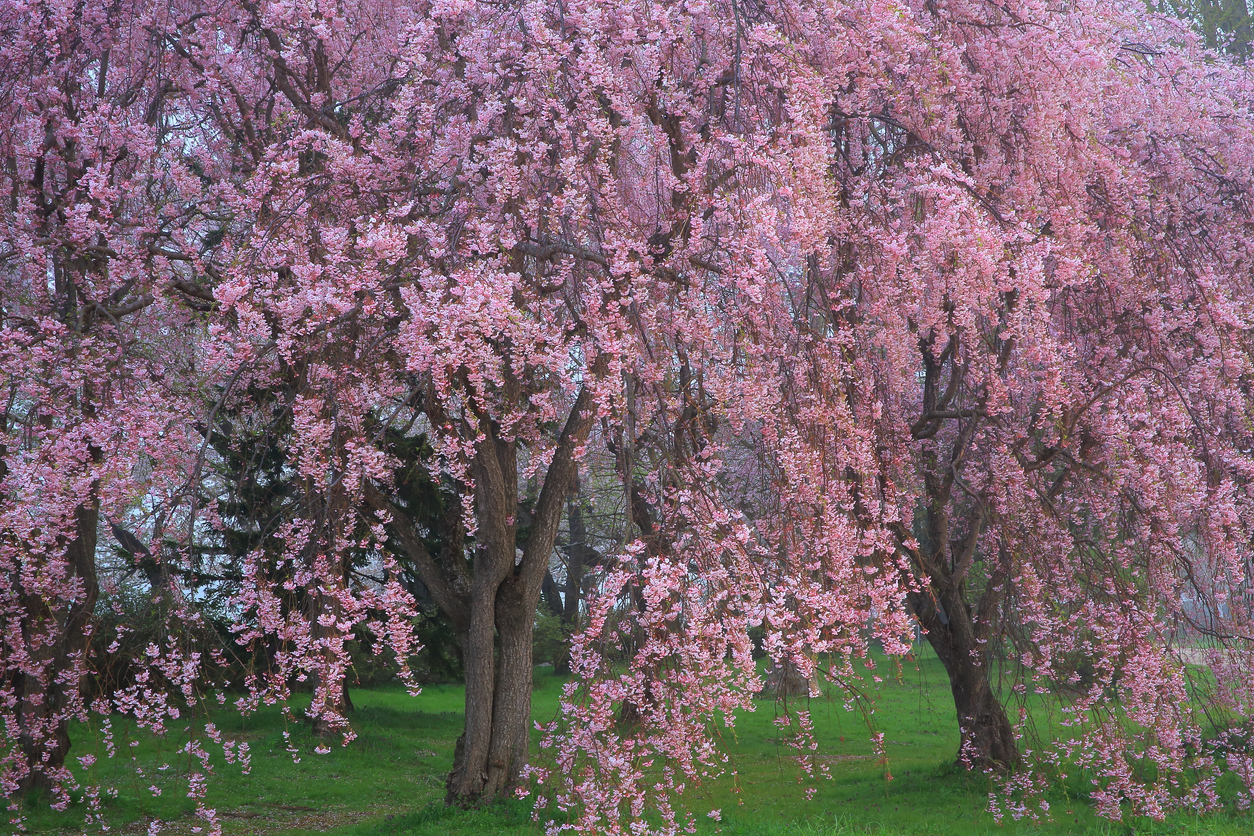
(987, 738)
(947, 550)
(42, 700)
(492, 607)
(511, 711)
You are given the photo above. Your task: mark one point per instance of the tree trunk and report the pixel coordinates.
(329, 708)
(492, 607)
(784, 679)
(987, 738)
(467, 781)
(577, 558)
(511, 709)
(333, 701)
(46, 698)
(493, 749)
(580, 552)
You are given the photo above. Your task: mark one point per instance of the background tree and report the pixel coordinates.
(1021, 384)
(1225, 24)
(1043, 491)
(97, 234)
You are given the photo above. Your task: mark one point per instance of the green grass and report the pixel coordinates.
(390, 781)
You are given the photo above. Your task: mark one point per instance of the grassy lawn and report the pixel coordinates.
(390, 781)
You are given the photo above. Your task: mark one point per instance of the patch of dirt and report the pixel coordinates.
(267, 818)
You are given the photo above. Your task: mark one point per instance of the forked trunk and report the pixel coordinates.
(491, 603)
(493, 749)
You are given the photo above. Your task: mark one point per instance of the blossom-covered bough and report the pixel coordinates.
(887, 314)
(1003, 324)
(97, 235)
